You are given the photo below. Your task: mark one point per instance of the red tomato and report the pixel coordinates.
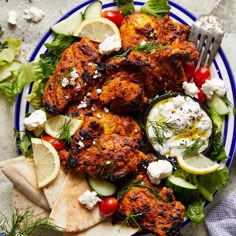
(201, 75)
(189, 69)
(201, 96)
(57, 144)
(114, 16)
(108, 206)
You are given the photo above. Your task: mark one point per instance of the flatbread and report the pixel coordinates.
(21, 203)
(68, 213)
(106, 229)
(52, 190)
(21, 172)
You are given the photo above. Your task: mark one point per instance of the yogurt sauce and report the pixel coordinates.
(185, 122)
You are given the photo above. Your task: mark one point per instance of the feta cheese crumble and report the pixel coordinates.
(65, 82)
(12, 16)
(214, 86)
(109, 45)
(190, 89)
(89, 199)
(36, 120)
(159, 170)
(34, 14)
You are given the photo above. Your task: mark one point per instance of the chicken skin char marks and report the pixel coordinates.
(161, 214)
(82, 58)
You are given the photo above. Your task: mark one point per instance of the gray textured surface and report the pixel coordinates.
(30, 33)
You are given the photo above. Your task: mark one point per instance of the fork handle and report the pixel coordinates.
(214, 10)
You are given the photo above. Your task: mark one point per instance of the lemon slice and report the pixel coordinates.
(54, 125)
(46, 160)
(97, 29)
(198, 165)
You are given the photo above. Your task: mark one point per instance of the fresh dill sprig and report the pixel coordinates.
(160, 129)
(131, 220)
(108, 168)
(65, 131)
(23, 224)
(193, 149)
(137, 183)
(122, 55)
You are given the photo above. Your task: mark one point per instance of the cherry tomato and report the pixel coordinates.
(189, 69)
(108, 206)
(114, 16)
(57, 144)
(201, 75)
(201, 96)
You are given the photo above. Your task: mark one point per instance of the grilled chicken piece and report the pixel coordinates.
(106, 145)
(160, 215)
(112, 157)
(162, 68)
(140, 27)
(123, 93)
(62, 87)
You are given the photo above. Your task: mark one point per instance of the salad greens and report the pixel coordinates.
(8, 50)
(158, 8)
(126, 7)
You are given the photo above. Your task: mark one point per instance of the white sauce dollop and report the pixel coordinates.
(186, 121)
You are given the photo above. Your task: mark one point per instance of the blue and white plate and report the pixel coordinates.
(220, 68)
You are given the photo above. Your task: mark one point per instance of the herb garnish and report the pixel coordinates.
(143, 48)
(65, 131)
(22, 224)
(131, 219)
(136, 183)
(193, 149)
(160, 129)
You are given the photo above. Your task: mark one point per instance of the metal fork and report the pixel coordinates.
(207, 34)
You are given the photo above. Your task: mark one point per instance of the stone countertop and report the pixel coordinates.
(30, 33)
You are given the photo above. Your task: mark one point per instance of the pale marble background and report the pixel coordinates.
(30, 33)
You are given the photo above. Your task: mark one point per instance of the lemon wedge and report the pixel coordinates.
(54, 125)
(198, 165)
(46, 161)
(97, 29)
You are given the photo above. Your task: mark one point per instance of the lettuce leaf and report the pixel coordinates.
(8, 54)
(195, 212)
(26, 74)
(158, 8)
(208, 184)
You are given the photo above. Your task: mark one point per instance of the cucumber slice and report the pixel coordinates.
(93, 10)
(179, 185)
(5, 70)
(102, 187)
(69, 25)
(218, 105)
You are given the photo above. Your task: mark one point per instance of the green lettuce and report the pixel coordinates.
(158, 8)
(26, 74)
(208, 184)
(10, 50)
(195, 212)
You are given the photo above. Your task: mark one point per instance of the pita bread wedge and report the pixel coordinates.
(68, 213)
(52, 190)
(21, 203)
(21, 172)
(106, 229)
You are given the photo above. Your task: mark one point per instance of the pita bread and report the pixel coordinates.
(52, 190)
(68, 213)
(106, 229)
(21, 203)
(21, 172)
